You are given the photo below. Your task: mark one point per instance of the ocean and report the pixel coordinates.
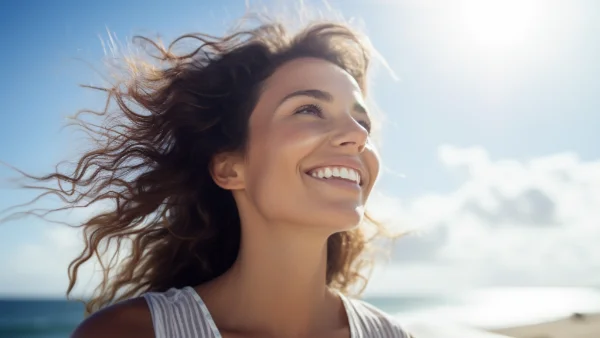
(487, 308)
(41, 318)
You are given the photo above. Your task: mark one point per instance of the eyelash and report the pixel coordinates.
(316, 107)
(319, 113)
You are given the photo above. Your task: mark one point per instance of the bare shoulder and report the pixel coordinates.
(129, 318)
(379, 320)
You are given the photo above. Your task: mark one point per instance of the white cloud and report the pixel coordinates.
(40, 268)
(511, 222)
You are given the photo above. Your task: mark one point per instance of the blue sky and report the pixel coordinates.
(489, 94)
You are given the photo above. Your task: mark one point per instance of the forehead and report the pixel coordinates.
(311, 73)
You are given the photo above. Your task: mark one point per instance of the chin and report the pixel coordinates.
(337, 221)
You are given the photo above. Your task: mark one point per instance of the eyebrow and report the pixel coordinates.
(323, 96)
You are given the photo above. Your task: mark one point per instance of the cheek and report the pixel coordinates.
(279, 149)
(372, 162)
(370, 158)
(273, 177)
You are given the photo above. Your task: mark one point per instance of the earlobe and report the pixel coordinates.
(227, 171)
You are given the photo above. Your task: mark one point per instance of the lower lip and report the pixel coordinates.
(337, 182)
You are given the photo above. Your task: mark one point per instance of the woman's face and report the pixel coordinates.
(309, 158)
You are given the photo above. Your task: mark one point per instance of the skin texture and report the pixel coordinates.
(277, 287)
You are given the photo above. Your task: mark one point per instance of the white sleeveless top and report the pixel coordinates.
(181, 313)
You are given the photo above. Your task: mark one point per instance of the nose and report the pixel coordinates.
(350, 135)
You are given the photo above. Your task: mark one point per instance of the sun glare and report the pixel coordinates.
(500, 24)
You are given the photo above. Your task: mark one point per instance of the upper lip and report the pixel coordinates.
(343, 162)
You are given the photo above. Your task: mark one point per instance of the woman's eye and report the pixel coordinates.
(311, 109)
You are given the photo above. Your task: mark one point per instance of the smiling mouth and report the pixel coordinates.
(337, 172)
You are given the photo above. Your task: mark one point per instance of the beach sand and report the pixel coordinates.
(429, 329)
(582, 326)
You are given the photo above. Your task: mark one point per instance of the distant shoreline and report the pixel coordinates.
(581, 325)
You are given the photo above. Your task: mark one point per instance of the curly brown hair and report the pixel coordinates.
(170, 116)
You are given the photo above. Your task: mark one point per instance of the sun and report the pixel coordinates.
(500, 24)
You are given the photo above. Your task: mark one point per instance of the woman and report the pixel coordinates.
(239, 172)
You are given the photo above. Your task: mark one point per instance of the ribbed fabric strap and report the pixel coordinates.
(181, 313)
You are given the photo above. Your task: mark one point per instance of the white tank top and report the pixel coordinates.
(181, 313)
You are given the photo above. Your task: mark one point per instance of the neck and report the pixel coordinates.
(277, 285)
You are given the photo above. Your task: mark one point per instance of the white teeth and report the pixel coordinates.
(353, 175)
(344, 173)
(339, 172)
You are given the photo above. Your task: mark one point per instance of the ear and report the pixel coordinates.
(227, 170)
